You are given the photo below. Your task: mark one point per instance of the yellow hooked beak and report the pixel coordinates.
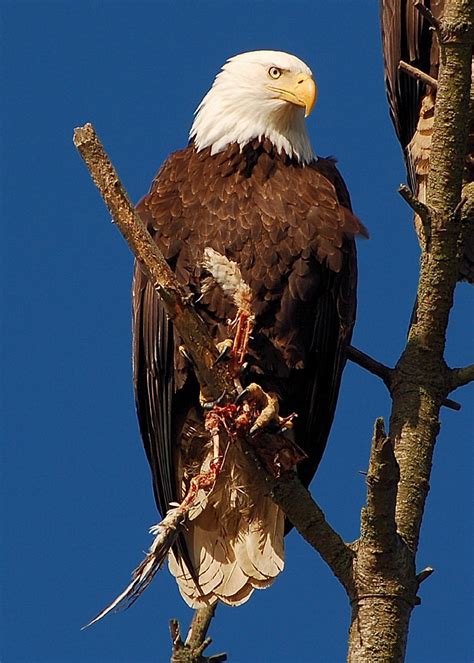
(298, 89)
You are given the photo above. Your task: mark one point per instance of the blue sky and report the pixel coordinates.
(76, 499)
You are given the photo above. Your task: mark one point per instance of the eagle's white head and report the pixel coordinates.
(256, 95)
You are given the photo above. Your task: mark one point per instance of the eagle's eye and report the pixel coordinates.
(274, 72)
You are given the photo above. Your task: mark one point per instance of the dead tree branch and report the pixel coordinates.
(422, 210)
(372, 365)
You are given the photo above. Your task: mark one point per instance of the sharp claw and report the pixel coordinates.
(223, 356)
(189, 299)
(184, 353)
(241, 397)
(272, 427)
(254, 430)
(208, 405)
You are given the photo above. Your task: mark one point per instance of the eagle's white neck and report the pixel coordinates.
(233, 111)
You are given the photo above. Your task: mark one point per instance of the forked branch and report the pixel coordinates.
(385, 373)
(192, 650)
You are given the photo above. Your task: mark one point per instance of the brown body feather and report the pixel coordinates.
(406, 35)
(290, 230)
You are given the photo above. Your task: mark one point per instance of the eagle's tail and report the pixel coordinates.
(235, 542)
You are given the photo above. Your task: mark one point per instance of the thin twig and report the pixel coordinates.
(372, 365)
(418, 74)
(451, 405)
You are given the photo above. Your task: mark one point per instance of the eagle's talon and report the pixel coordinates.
(268, 406)
(208, 405)
(224, 348)
(184, 353)
(190, 299)
(242, 396)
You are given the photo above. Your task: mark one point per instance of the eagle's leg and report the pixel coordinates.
(206, 480)
(268, 404)
(236, 349)
(244, 326)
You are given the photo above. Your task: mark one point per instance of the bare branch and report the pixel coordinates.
(385, 584)
(451, 405)
(418, 74)
(372, 365)
(384, 372)
(385, 580)
(461, 376)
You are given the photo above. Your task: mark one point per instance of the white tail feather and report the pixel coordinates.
(235, 544)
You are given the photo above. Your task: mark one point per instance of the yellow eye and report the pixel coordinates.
(274, 72)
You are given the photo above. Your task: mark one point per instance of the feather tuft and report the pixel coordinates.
(227, 275)
(166, 532)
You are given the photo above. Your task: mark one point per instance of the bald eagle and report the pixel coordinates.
(249, 187)
(407, 36)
